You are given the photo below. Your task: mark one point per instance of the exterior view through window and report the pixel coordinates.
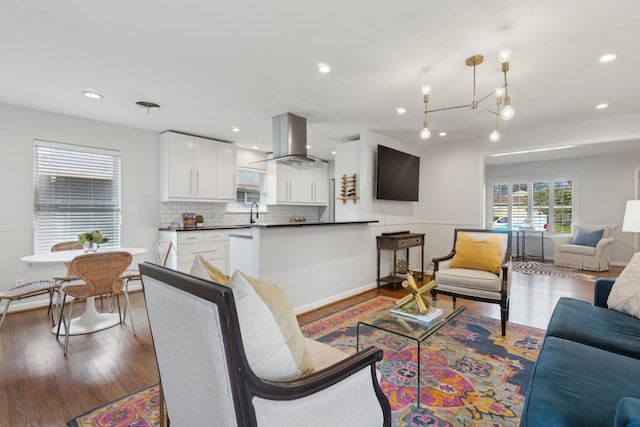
(538, 203)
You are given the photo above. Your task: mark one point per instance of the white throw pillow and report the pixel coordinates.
(625, 293)
(265, 346)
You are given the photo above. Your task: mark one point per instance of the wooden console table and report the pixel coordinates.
(395, 242)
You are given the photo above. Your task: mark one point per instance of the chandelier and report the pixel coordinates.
(503, 110)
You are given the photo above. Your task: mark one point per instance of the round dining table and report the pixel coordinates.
(91, 320)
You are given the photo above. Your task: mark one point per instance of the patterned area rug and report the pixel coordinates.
(544, 269)
(470, 374)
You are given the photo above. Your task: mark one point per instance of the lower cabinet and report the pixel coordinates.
(212, 245)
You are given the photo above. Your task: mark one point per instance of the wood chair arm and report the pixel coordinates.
(437, 260)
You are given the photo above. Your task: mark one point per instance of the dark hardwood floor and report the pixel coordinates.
(41, 387)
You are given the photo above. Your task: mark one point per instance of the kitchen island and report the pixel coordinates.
(313, 263)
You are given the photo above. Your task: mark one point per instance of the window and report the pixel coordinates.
(76, 189)
(250, 187)
(528, 202)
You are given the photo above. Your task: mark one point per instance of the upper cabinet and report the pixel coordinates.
(287, 185)
(195, 168)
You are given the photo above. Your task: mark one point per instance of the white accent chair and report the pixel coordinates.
(566, 254)
(476, 285)
(206, 379)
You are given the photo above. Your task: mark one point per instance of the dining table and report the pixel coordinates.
(91, 319)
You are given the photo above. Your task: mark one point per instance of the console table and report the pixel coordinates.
(395, 242)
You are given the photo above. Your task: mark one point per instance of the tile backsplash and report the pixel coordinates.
(216, 213)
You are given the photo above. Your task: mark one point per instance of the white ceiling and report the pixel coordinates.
(212, 65)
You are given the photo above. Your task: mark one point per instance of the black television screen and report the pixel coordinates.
(398, 175)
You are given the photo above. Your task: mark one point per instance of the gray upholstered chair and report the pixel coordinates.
(457, 280)
(584, 254)
(207, 379)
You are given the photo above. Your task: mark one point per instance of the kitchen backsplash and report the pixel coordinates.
(216, 213)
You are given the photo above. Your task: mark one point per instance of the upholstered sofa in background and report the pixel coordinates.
(587, 371)
(583, 249)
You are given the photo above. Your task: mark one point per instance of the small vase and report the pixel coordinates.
(90, 247)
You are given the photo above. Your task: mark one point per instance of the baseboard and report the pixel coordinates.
(333, 298)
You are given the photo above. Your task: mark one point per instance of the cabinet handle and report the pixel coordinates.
(198, 182)
(191, 181)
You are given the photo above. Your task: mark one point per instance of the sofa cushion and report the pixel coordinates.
(578, 385)
(577, 249)
(625, 293)
(586, 237)
(610, 330)
(485, 254)
(466, 278)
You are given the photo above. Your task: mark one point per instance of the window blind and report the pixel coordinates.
(250, 187)
(76, 189)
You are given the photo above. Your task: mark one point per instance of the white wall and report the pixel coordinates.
(140, 190)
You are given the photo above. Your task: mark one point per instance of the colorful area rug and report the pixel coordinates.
(470, 374)
(545, 269)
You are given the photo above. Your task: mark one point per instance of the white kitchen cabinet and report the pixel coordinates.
(288, 185)
(213, 245)
(195, 168)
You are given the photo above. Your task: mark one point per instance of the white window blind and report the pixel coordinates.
(76, 189)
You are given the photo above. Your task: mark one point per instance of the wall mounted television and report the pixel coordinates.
(397, 175)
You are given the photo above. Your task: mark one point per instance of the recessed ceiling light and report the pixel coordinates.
(92, 94)
(308, 146)
(323, 68)
(442, 134)
(333, 152)
(601, 106)
(255, 147)
(401, 110)
(235, 128)
(608, 57)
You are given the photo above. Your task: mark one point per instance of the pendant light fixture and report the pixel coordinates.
(503, 111)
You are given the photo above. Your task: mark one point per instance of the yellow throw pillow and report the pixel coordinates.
(203, 269)
(475, 254)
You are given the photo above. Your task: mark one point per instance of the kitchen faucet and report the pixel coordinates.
(251, 220)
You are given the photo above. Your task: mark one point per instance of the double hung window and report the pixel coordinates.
(250, 188)
(541, 203)
(76, 189)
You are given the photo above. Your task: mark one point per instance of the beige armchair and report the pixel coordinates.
(566, 253)
(478, 268)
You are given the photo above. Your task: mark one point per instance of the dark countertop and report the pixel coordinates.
(307, 224)
(287, 224)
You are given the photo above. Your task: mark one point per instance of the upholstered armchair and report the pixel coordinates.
(223, 362)
(587, 248)
(478, 268)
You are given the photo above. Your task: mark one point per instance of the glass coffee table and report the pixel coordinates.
(406, 327)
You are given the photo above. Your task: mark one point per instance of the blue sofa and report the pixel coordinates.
(588, 371)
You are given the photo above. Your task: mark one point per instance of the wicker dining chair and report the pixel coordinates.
(66, 246)
(101, 275)
(163, 248)
(31, 289)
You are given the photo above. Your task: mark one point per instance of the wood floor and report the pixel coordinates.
(41, 387)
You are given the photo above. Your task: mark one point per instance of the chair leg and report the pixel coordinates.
(504, 314)
(127, 306)
(67, 326)
(61, 318)
(4, 314)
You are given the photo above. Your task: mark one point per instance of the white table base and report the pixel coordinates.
(90, 321)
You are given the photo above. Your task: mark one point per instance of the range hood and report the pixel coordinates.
(290, 141)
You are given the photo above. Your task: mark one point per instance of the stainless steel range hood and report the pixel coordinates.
(290, 141)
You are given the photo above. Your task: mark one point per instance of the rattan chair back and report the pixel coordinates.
(66, 246)
(101, 272)
(163, 248)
